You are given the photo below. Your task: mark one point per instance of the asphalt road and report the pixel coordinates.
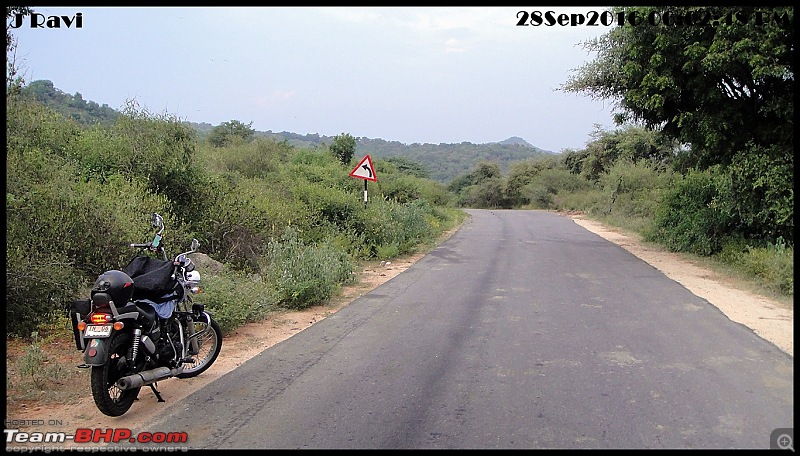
(523, 330)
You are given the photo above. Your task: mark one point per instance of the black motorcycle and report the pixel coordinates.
(141, 326)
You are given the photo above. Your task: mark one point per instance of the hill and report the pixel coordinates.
(448, 161)
(516, 140)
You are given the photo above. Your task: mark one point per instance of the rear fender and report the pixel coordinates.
(96, 353)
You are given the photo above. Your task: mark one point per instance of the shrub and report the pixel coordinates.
(304, 275)
(61, 233)
(236, 298)
(692, 217)
(631, 194)
(771, 264)
(261, 158)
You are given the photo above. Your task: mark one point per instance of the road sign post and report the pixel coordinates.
(365, 170)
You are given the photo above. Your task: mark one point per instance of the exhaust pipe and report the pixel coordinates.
(148, 377)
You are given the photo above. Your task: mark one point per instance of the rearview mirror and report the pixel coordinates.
(157, 221)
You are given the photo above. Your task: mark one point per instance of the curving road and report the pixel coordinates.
(523, 330)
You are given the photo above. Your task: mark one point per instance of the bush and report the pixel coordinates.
(250, 212)
(304, 275)
(401, 189)
(539, 195)
(388, 225)
(587, 200)
(236, 298)
(30, 125)
(632, 193)
(774, 265)
(488, 193)
(327, 205)
(771, 264)
(692, 217)
(61, 233)
(261, 158)
(761, 188)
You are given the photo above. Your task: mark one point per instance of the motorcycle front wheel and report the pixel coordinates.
(209, 345)
(109, 398)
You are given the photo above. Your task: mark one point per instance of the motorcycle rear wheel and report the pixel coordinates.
(209, 346)
(110, 399)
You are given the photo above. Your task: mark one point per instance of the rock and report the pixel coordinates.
(205, 263)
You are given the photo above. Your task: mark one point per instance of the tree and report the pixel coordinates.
(484, 170)
(11, 13)
(718, 86)
(723, 86)
(11, 45)
(231, 132)
(631, 143)
(481, 187)
(343, 147)
(522, 173)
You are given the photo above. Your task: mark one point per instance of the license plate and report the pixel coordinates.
(97, 331)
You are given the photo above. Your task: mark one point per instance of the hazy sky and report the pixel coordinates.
(408, 74)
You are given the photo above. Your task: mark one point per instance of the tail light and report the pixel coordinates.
(99, 318)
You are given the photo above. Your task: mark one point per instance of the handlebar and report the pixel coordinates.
(156, 246)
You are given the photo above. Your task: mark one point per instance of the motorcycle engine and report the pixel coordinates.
(165, 351)
(169, 348)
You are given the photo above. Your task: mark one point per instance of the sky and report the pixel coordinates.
(408, 74)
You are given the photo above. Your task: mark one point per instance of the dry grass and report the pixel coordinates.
(44, 369)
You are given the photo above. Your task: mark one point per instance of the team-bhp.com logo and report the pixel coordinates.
(86, 435)
(38, 20)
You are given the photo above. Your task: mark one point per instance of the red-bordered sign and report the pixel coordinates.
(364, 170)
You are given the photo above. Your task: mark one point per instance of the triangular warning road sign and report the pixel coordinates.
(364, 170)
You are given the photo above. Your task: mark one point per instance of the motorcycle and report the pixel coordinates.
(141, 326)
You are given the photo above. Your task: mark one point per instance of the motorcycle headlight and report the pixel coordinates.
(193, 276)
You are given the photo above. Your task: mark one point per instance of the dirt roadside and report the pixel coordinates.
(771, 320)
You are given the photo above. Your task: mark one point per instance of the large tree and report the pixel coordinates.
(719, 80)
(723, 83)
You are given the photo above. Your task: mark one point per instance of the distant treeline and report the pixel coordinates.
(443, 162)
